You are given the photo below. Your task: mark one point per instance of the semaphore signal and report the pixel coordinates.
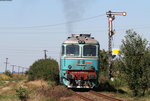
(111, 32)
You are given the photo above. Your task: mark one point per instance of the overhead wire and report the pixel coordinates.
(97, 30)
(51, 25)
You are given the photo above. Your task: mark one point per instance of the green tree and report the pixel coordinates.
(103, 65)
(136, 64)
(103, 60)
(46, 69)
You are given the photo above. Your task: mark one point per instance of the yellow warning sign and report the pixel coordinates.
(115, 51)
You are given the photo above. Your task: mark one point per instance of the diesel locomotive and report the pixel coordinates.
(79, 63)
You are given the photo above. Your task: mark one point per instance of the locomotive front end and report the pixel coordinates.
(79, 67)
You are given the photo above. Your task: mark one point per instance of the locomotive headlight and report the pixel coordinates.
(69, 66)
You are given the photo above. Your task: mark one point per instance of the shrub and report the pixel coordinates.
(46, 69)
(22, 93)
(2, 82)
(8, 73)
(116, 83)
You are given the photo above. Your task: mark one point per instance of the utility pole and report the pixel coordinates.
(13, 68)
(22, 70)
(6, 64)
(27, 69)
(45, 55)
(19, 69)
(111, 17)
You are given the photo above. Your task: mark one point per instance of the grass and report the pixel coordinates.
(122, 91)
(8, 97)
(51, 99)
(41, 90)
(128, 95)
(4, 77)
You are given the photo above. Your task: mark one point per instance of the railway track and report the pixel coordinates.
(83, 97)
(95, 96)
(105, 96)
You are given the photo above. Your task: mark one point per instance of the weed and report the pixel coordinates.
(2, 82)
(60, 91)
(22, 93)
(51, 84)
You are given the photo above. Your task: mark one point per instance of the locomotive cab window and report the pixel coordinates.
(89, 50)
(72, 50)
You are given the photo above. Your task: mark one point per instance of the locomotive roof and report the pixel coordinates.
(81, 39)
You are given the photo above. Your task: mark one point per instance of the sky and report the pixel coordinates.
(28, 27)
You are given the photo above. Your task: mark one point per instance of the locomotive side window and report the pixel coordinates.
(62, 52)
(72, 50)
(89, 50)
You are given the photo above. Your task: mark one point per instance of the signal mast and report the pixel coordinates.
(111, 32)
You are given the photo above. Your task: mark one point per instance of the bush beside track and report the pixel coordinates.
(46, 69)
